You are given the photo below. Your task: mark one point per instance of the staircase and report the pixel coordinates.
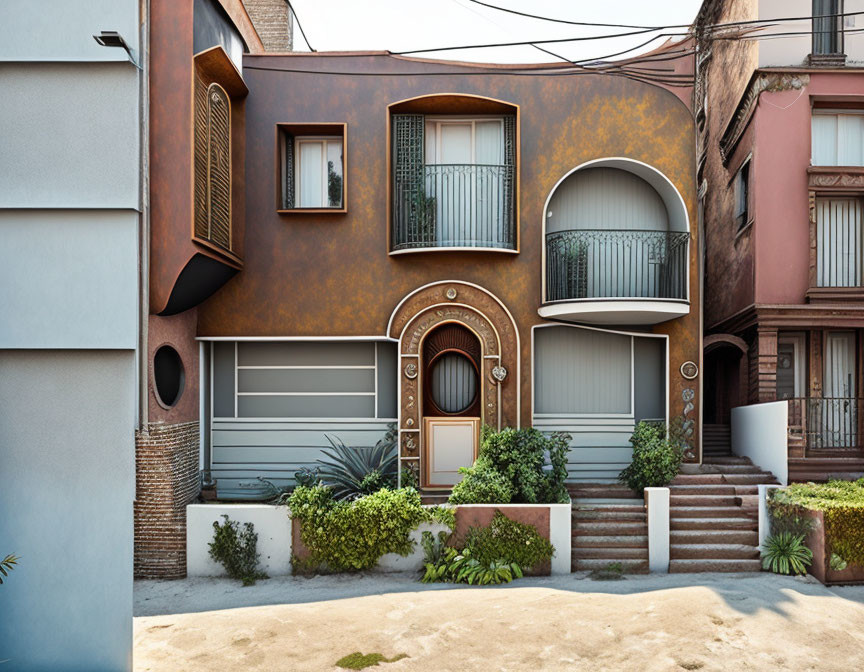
(609, 526)
(714, 515)
(716, 441)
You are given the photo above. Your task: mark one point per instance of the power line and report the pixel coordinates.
(297, 19)
(570, 23)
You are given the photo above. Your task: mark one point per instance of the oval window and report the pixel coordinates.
(454, 383)
(169, 375)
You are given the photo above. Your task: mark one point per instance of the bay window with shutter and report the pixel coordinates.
(312, 168)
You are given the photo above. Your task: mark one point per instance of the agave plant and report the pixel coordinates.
(785, 552)
(353, 472)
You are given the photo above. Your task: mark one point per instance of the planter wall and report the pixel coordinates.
(821, 567)
(279, 535)
(272, 523)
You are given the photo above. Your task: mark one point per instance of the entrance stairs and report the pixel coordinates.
(714, 515)
(716, 441)
(609, 528)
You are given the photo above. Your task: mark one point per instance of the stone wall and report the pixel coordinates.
(167, 479)
(272, 20)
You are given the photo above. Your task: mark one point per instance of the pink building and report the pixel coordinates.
(780, 113)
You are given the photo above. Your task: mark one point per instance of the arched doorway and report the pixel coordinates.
(725, 365)
(458, 370)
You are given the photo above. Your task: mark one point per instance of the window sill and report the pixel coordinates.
(229, 257)
(313, 211)
(826, 60)
(835, 294)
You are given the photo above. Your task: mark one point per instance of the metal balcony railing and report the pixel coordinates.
(839, 248)
(455, 205)
(610, 264)
(827, 424)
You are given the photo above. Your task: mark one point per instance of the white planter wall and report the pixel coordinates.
(759, 431)
(272, 523)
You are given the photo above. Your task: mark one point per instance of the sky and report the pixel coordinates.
(402, 25)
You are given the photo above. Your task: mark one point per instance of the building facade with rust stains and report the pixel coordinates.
(345, 243)
(780, 125)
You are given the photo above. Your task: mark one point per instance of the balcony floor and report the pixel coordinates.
(616, 311)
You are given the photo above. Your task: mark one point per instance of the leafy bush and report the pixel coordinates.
(7, 564)
(481, 483)
(509, 541)
(525, 462)
(236, 549)
(785, 552)
(657, 457)
(354, 472)
(494, 554)
(343, 535)
(842, 506)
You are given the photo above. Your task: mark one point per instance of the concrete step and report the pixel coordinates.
(611, 541)
(702, 500)
(725, 565)
(634, 514)
(712, 489)
(711, 512)
(727, 459)
(618, 553)
(714, 536)
(702, 524)
(610, 528)
(602, 490)
(724, 479)
(629, 565)
(713, 552)
(707, 468)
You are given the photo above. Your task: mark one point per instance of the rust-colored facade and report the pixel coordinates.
(290, 303)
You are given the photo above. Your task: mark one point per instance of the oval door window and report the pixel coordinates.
(453, 382)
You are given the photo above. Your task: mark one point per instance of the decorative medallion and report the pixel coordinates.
(411, 370)
(410, 422)
(409, 445)
(499, 373)
(450, 294)
(689, 370)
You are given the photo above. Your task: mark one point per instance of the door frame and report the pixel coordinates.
(429, 446)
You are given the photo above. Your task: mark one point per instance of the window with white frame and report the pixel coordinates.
(837, 138)
(742, 195)
(318, 172)
(478, 141)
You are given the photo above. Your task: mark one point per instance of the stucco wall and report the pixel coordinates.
(68, 278)
(70, 134)
(66, 491)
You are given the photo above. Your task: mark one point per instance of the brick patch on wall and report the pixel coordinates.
(166, 480)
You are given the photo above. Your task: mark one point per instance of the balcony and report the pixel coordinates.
(454, 206)
(616, 276)
(828, 426)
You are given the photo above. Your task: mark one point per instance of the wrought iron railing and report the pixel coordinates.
(827, 423)
(593, 263)
(454, 205)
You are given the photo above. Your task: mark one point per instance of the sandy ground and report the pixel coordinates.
(691, 622)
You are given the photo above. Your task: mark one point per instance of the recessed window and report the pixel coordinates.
(837, 138)
(312, 167)
(742, 195)
(169, 375)
(827, 27)
(453, 383)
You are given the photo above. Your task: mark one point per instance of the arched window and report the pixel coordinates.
(213, 164)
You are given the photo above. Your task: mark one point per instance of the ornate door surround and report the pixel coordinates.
(487, 317)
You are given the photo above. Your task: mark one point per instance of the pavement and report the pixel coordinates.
(643, 622)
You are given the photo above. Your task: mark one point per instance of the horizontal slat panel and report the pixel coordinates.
(306, 380)
(328, 425)
(299, 438)
(265, 455)
(599, 449)
(306, 353)
(306, 407)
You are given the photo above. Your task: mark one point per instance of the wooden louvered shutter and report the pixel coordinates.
(219, 165)
(202, 226)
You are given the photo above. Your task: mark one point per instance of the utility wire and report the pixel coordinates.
(297, 19)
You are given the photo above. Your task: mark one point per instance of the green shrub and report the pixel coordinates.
(516, 465)
(356, 471)
(494, 554)
(236, 549)
(842, 506)
(657, 457)
(510, 541)
(344, 535)
(785, 552)
(481, 483)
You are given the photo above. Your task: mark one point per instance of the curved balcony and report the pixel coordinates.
(453, 206)
(605, 276)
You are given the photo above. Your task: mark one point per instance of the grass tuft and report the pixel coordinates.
(360, 661)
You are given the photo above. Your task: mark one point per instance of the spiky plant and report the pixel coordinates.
(353, 472)
(786, 552)
(7, 564)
